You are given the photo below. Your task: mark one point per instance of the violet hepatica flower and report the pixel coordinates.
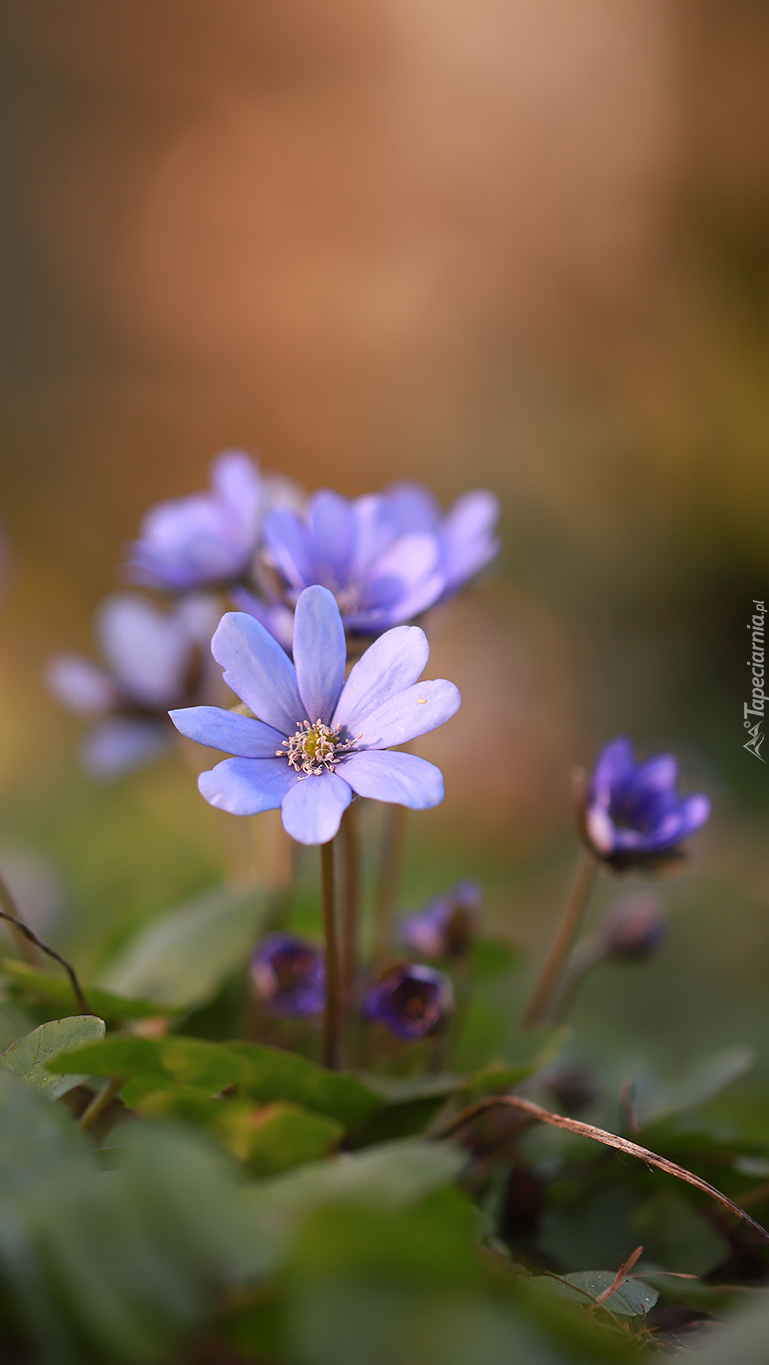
(313, 739)
(380, 574)
(410, 1001)
(446, 926)
(208, 539)
(466, 534)
(633, 813)
(154, 659)
(289, 976)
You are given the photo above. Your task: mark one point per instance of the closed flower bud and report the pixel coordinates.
(411, 1001)
(289, 976)
(446, 926)
(635, 927)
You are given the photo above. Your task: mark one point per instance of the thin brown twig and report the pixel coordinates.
(620, 1276)
(548, 980)
(588, 1130)
(7, 899)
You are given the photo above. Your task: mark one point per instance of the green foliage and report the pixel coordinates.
(53, 992)
(30, 1056)
(632, 1299)
(183, 956)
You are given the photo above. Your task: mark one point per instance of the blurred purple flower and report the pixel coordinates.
(446, 926)
(154, 659)
(465, 534)
(634, 928)
(289, 975)
(411, 1001)
(633, 813)
(318, 738)
(209, 539)
(380, 574)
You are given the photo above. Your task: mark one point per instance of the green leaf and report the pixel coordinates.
(183, 956)
(632, 1299)
(707, 1079)
(272, 1074)
(42, 987)
(677, 1236)
(117, 1055)
(30, 1056)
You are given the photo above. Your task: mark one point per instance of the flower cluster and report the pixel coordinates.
(256, 540)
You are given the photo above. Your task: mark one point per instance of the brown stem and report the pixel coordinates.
(535, 1111)
(389, 879)
(332, 1020)
(7, 901)
(350, 909)
(99, 1103)
(541, 996)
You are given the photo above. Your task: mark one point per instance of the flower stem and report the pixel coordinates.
(541, 996)
(350, 910)
(9, 912)
(332, 1021)
(99, 1103)
(389, 878)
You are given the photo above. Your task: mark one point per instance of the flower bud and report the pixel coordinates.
(634, 928)
(289, 976)
(411, 1001)
(446, 926)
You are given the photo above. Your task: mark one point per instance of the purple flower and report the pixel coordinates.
(154, 659)
(633, 813)
(411, 1001)
(380, 574)
(446, 925)
(208, 539)
(289, 975)
(465, 534)
(318, 738)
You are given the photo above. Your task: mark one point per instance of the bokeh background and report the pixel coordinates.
(514, 243)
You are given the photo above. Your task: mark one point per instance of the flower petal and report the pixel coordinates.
(247, 786)
(320, 652)
(695, 810)
(117, 746)
(237, 481)
(80, 685)
(614, 766)
(657, 774)
(412, 712)
(147, 649)
(258, 671)
(333, 532)
(390, 665)
(287, 537)
(401, 778)
(314, 808)
(227, 731)
(467, 539)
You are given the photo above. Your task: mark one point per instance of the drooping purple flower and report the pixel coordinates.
(446, 926)
(154, 659)
(466, 533)
(634, 814)
(380, 574)
(319, 739)
(410, 1001)
(209, 539)
(634, 928)
(289, 975)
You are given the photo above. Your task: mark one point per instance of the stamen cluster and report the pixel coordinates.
(314, 748)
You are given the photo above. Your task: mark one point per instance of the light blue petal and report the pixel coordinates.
(314, 808)
(118, 746)
(333, 531)
(287, 537)
(247, 786)
(258, 671)
(320, 652)
(390, 665)
(80, 685)
(227, 731)
(401, 778)
(147, 649)
(414, 712)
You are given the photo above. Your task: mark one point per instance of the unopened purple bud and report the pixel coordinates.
(411, 1001)
(289, 976)
(446, 926)
(635, 927)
